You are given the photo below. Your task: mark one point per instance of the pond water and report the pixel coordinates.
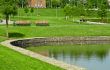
(92, 57)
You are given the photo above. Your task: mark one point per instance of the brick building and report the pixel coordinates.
(37, 3)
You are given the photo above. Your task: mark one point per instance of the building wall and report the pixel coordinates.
(37, 3)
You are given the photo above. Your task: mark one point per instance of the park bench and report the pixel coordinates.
(22, 23)
(42, 23)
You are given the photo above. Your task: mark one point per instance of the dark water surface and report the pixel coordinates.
(92, 57)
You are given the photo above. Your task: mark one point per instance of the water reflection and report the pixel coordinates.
(92, 57)
(87, 54)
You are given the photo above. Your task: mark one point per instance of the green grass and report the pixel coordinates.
(12, 60)
(3, 38)
(58, 26)
(60, 30)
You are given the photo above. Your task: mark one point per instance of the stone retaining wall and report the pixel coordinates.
(61, 41)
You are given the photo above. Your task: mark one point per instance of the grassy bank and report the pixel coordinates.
(2, 38)
(12, 60)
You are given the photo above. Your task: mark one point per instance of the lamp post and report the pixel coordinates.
(22, 3)
(51, 3)
(56, 12)
(37, 7)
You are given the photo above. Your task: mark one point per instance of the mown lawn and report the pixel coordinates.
(11, 60)
(58, 30)
(2, 38)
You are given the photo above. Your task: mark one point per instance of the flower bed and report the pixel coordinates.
(22, 23)
(42, 23)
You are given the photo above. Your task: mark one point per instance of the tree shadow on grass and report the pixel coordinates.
(16, 35)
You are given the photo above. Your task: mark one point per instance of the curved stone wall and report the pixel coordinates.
(60, 41)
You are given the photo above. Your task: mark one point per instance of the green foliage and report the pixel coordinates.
(8, 7)
(22, 3)
(82, 11)
(68, 10)
(91, 3)
(64, 3)
(74, 10)
(26, 10)
(56, 3)
(102, 11)
(32, 10)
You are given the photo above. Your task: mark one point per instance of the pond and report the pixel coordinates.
(92, 57)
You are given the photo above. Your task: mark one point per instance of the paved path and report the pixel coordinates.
(89, 22)
(4, 22)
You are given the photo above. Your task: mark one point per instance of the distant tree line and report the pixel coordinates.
(87, 7)
(63, 3)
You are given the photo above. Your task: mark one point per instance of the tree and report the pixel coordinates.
(68, 11)
(8, 8)
(56, 3)
(26, 10)
(64, 3)
(102, 11)
(32, 10)
(48, 3)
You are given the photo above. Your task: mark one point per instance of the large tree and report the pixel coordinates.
(8, 8)
(68, 11)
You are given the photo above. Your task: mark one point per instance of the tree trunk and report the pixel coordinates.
(7, 18)
(102, 19)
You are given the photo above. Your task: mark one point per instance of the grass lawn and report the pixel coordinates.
(2, 38)
(11, 60)
(58, 30)
(58, 26)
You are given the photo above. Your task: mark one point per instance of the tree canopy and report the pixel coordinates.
(7, 8)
